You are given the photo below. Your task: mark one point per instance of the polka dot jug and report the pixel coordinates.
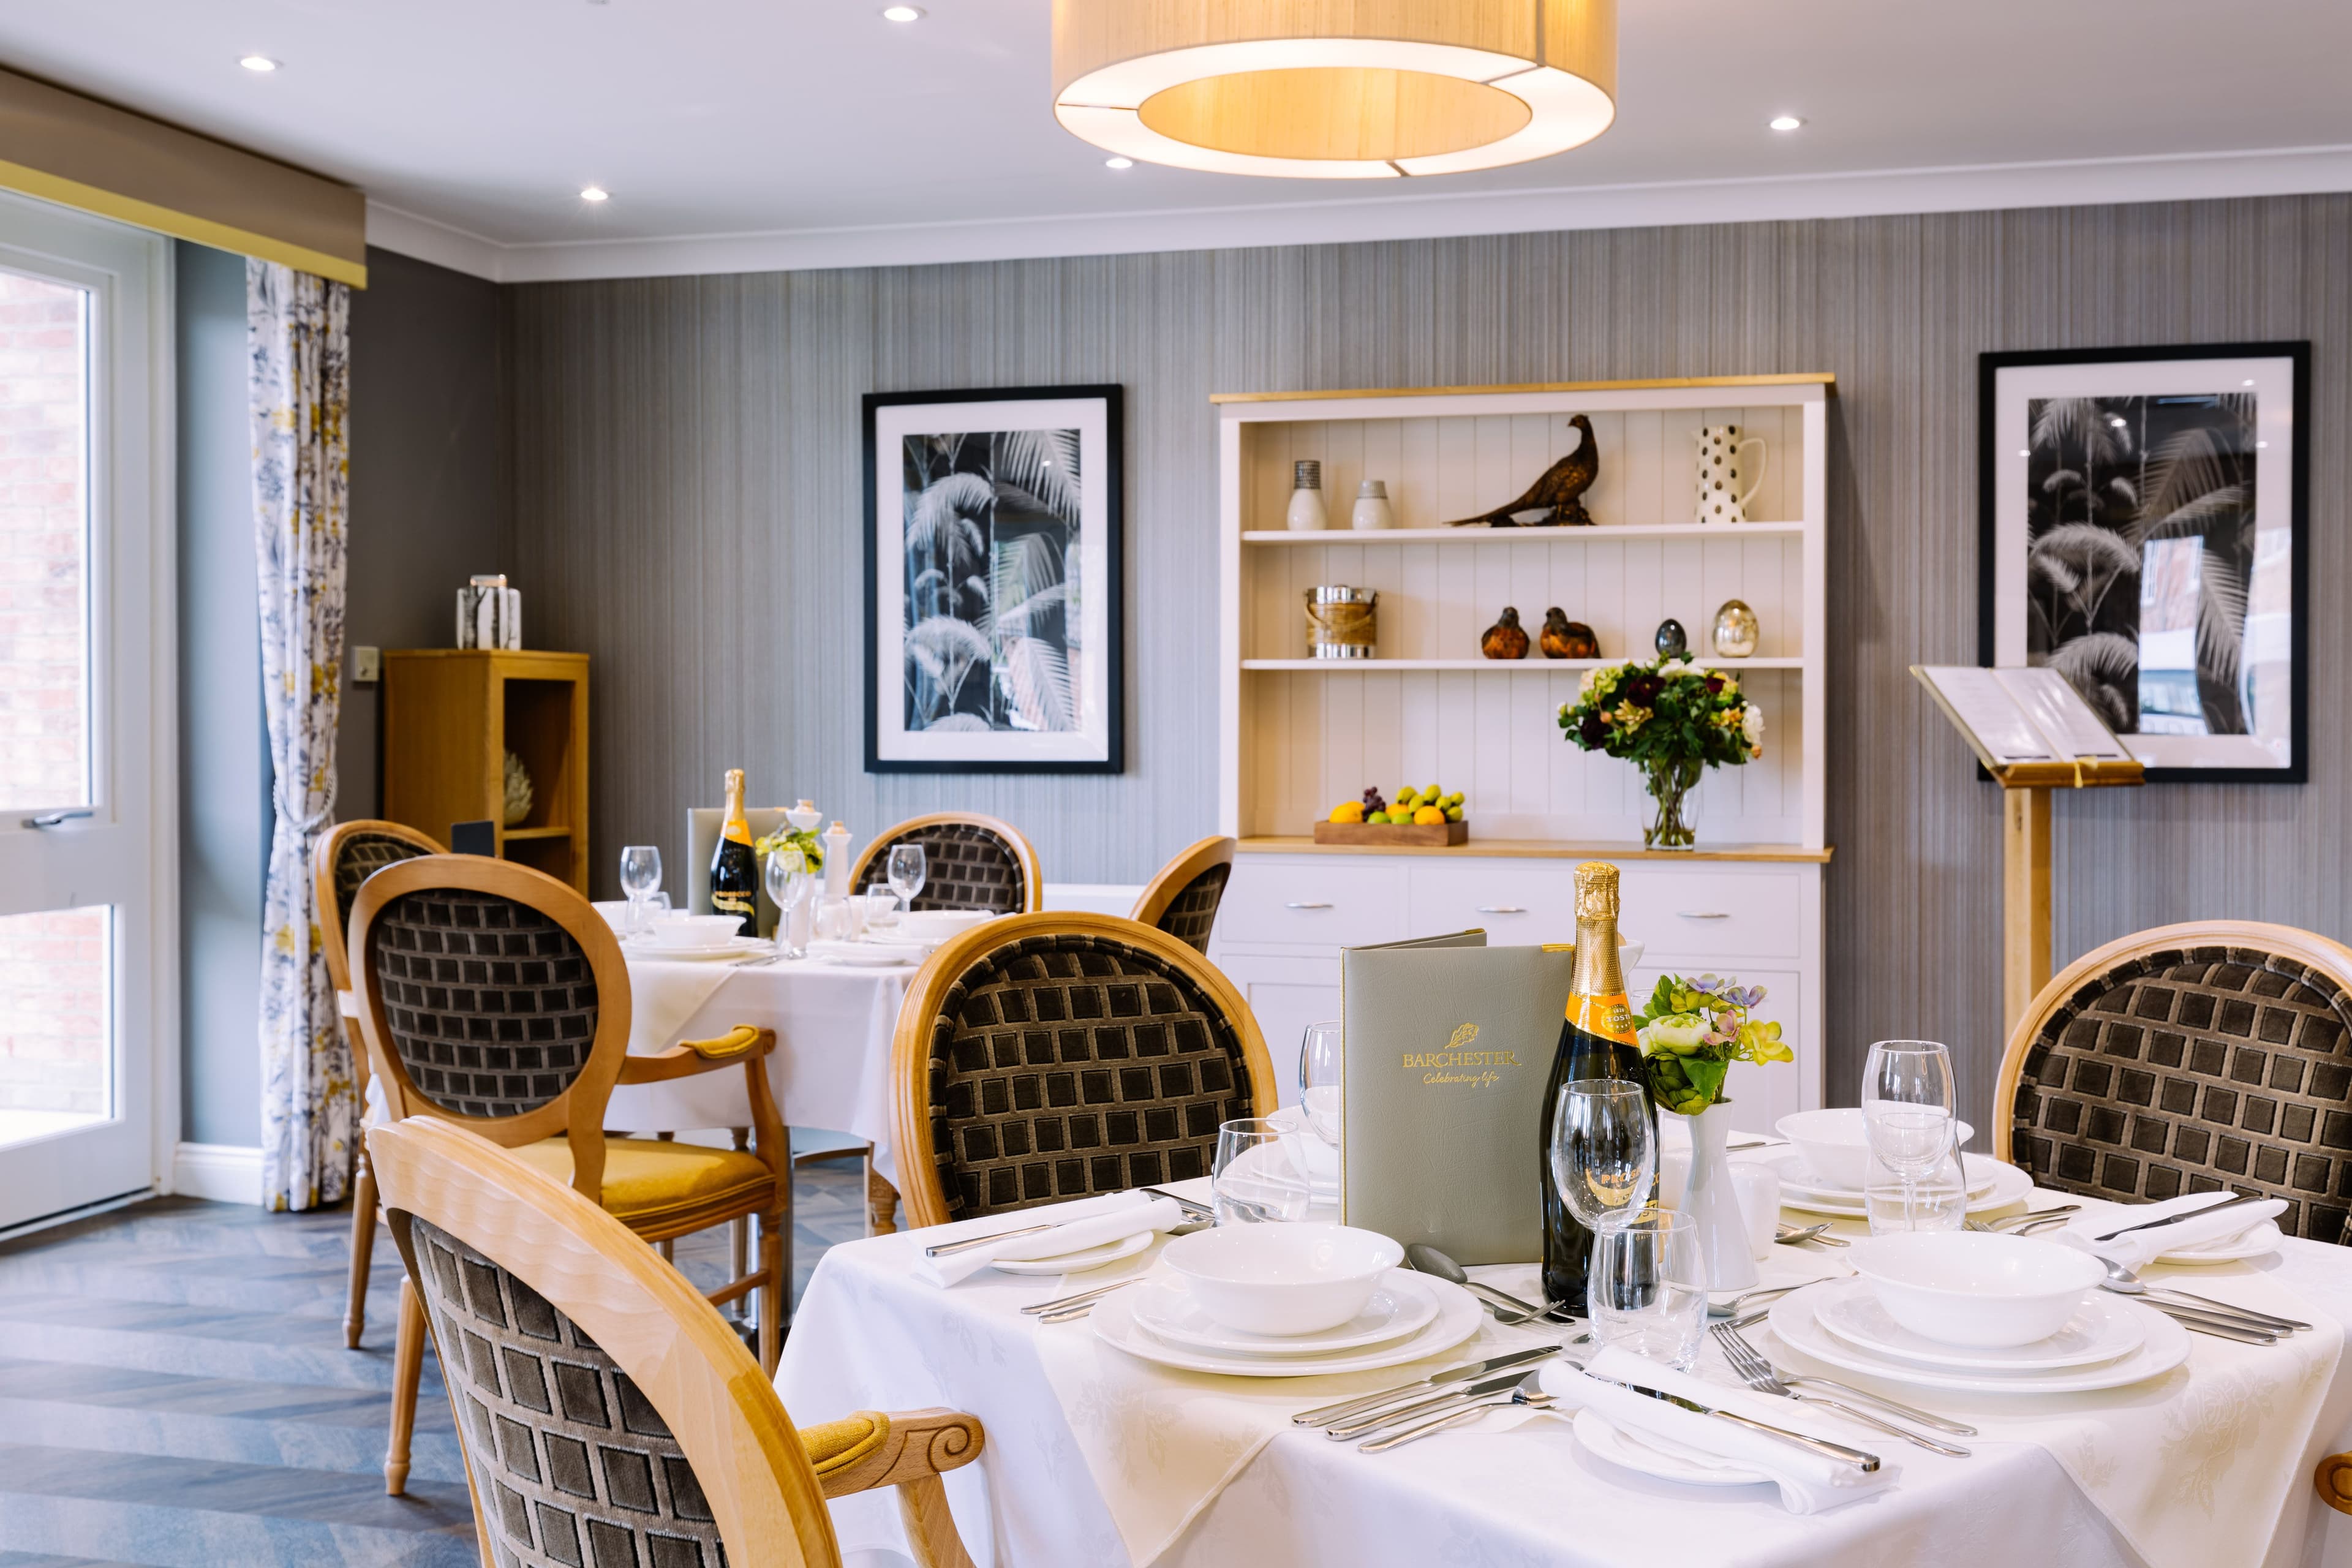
(1723, 493)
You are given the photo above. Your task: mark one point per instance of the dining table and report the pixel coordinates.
(1095, 1458)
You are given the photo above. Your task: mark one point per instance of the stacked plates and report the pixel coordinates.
(1409, 1316)
(868, 955)
(1992, 1184)
(2109, 1342)
(643, 949)
(1078, 1262)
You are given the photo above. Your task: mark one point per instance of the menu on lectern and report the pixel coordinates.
(2028, 715)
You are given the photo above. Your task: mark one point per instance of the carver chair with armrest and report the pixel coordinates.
(607, 1414)
(348, 855)
(1059, 1054)
(973, 862)
(1182, 899)
(494, 997)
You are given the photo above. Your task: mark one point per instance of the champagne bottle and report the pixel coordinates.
(734, 877)
(1595, 1041)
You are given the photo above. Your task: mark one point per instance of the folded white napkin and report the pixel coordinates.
(2142, 1247)
(1087, 1222)
(1809, 1483)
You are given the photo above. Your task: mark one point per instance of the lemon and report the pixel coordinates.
(1428, 817)
(1348, 811)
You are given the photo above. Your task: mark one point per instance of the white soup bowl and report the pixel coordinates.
(615, 912)
(1970, 1287)
(694, 930)
(1835, 1145)
(938, 925)
(1282, 1279)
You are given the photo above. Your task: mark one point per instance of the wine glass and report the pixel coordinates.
(1648, 1290)
(640, 876)
(1604, 1152)
(908, 868)
(1319, 1081)
(1906, 1110)
(789, 883)
(1256, 1176)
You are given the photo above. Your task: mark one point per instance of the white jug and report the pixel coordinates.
(1721, 496)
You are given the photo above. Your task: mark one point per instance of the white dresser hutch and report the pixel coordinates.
(1300, 735)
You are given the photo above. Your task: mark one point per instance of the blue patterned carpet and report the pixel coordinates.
(174, 1390)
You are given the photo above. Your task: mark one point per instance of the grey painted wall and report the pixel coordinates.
(225, 812)
(428, 506)
(687, 510)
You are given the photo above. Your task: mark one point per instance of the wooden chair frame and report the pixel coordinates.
(577, 1114)
(768, 1500)
(1177, 874)
(1032, 876)
(910, 1102)
(323, 858)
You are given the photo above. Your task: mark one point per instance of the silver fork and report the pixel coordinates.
(1758, 1374)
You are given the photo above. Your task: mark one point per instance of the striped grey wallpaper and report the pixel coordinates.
(686, 508)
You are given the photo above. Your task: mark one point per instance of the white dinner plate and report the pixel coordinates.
(2257, 1240)
(733, 947)
(2009, 1184)
(2165, 1347)
(1401, 1306)
(1797, 1177)
(1078, 1262)
(862, 954)
(1603, 1439)
(2101, 1329)
(1457, 1319)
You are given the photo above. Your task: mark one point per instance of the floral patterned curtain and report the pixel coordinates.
(298, 337)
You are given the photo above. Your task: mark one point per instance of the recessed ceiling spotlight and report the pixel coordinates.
(594, 194)
(1786, 122)
(2025, 451)
(260, 63)
(902, 12)
(1118, 163)
(2248, 382)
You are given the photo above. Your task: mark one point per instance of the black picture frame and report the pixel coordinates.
(1991, 544)
(1110, 396)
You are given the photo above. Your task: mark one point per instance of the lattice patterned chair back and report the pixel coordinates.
(608, 1414)
(1058, 1054)
(2197, 1058)
(495, 996)
(1182, 899)
(972, 863)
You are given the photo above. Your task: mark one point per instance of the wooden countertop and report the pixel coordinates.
(1546, 849)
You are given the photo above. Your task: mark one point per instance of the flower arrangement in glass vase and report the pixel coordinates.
(1691, 1031)
(1672, 719)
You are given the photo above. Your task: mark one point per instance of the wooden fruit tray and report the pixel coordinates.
(1434, 835)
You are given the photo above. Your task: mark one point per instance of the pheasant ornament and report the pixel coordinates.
(1564, 638)
(1505, 638)
(1554, 495)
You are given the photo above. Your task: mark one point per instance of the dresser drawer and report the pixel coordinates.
(1713, 914)
(1327, 901)
(1517, 902)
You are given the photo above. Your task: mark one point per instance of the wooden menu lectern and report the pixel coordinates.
(2033, 733)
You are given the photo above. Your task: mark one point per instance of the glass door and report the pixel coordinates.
(87, 923)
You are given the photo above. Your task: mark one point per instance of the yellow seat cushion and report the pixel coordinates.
(836, 1444)
(649, 1181)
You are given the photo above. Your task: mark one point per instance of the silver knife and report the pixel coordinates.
(1467, 1373)
(1396, 1415)
(1866, 1463)
(2192, 1214)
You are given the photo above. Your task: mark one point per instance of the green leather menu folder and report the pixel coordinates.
(1446, 1046)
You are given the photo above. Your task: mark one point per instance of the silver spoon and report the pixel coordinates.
(1797, 1235)
(1530, 1393)
(1766, 1293)
(2126, 1282)
(1506, 1307)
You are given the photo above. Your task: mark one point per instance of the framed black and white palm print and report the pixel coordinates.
(992, 580)
(2143, 534)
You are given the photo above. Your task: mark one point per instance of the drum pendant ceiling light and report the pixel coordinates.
(1336, 90)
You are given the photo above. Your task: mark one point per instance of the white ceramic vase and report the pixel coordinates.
(1711, 1198)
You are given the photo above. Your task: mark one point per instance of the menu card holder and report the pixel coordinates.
(1445, 1048)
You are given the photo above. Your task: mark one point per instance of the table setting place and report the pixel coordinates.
(1596, 1287)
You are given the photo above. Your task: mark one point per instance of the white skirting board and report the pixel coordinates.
(224, 1172)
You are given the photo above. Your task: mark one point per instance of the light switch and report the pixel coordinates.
(367, 665)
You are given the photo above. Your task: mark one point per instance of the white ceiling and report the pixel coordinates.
(738, 134)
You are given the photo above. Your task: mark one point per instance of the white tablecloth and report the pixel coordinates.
(867, 1336)
(831, 1067)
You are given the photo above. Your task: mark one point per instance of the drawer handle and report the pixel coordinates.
(1306, 904)
(1502, 908)
(1703, 914)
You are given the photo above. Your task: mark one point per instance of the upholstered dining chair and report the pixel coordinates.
(1054, 1055)
(2200, 1058)
(349, 855)
(973, 863)
(494, 997)
(607, 1413)
(1182, 899)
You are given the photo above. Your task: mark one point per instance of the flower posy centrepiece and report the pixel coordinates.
(1693, 1030)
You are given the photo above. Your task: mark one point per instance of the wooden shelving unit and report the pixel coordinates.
(450, 715)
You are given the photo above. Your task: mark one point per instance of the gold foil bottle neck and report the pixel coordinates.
(1596, 892)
